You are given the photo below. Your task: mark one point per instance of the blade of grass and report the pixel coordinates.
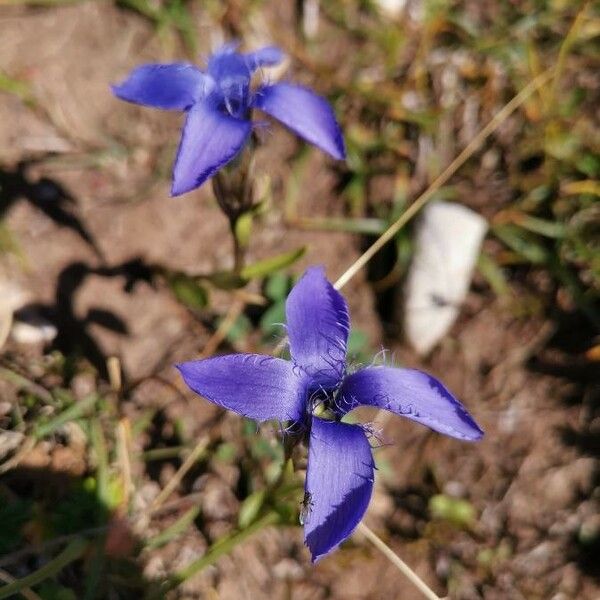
(10, 85)
(25, 384)
(79, 409)
(101, 452)
(565, 48)
(25, 592)
(173, 531)
(95, 571)
(365, 226)
(163, 453)
(223, 546)
(265, 267)
(70, 554)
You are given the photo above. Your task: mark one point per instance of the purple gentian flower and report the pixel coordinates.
(218, 104)
(339, 477)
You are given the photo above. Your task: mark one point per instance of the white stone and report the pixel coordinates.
(11, 298)
(310, 18)
(34, 331)
(447, 243)
(393, 8)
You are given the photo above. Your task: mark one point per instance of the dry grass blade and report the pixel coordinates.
(224, 328)
(443, 178)
(189, 462)
(397, 562)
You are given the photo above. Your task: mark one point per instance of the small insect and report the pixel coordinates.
(306, 508)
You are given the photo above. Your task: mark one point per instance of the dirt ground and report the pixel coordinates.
(532, 481)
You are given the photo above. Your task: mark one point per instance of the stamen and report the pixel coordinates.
(228, 106)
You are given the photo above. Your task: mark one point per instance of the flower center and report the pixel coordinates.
(321, 404)
(235, 98)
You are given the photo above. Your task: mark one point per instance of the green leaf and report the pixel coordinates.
(188, 291)
(262, 448)
(266, 267)
(550, 229)
(454, 510)
(562, 145)
(249, 427)
(270, 322)
(523, 243)
(589, 164)
(358, 342)
(277, 286)
(240, 329)
(225, 452)
(493, 274)
(250, 508)
(226, 280)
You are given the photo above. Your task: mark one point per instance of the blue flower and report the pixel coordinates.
(219, 103)
(339, 477)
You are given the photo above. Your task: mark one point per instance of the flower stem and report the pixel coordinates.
(397, 562)
(239, 250)
(233, 192)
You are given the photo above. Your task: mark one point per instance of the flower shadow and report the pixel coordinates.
(45, 194)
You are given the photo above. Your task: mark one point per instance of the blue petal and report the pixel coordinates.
(175, 86)
(209, 140)
(318, 325)
(412, 394)
(228, 65)
(253, 385)
(305, 113)
(265, 57)
(339, 482)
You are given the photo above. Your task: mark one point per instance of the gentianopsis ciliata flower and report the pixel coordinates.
(316, 383)
(219, 103)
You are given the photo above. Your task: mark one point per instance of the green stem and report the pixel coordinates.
(71, 553)
(72, 413)
(222, 547)
(238, 249)
(102, 475)
(26, 384)
(163, 453)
